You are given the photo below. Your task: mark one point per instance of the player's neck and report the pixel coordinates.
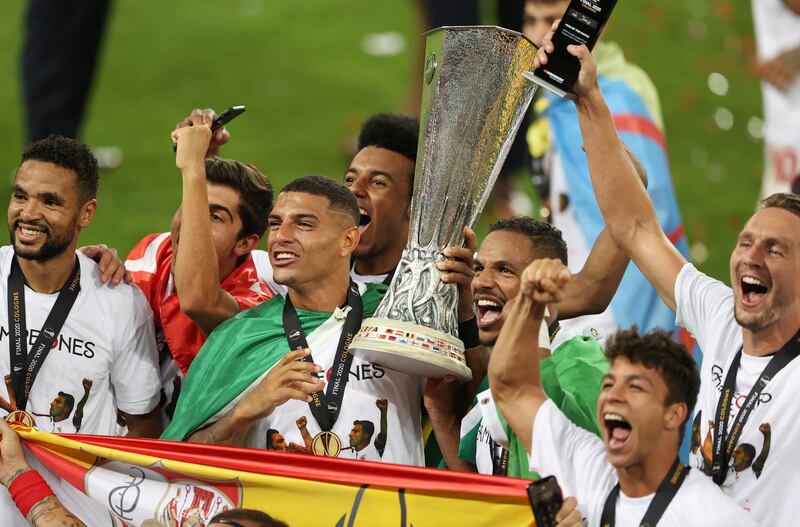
(383, 263)
(50, 275)
(771, 338)
(321, 295)
(644, 477)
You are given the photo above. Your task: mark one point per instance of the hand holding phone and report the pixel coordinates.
(219, 121)
(546, 500)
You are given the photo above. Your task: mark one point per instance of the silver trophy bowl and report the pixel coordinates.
(473, 101)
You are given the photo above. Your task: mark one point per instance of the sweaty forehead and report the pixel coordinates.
(506, 246)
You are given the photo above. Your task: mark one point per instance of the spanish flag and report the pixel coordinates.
(115, 482)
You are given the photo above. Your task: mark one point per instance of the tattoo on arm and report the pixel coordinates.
(49, 513)
(223, 432)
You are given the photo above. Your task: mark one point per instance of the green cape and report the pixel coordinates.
(237, 353)
(571, 377)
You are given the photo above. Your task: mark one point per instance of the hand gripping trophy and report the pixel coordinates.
(473, 101)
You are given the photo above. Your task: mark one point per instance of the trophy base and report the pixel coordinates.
(411, 348)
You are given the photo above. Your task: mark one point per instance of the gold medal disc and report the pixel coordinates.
(18, 417)
(326, 444)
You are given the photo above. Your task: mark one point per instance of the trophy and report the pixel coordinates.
(473, 101)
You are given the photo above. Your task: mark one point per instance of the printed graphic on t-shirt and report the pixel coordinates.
(364, 440)
(745, 456)
(56, 418)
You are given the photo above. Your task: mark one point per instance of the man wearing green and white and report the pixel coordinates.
(481, 441)
(282, 368)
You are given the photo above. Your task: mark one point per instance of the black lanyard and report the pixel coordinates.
(499, 462)
(724, 447)
(326, 406)
(664, 494)
(25, 366)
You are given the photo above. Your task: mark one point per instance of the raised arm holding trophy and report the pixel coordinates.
(474, 98)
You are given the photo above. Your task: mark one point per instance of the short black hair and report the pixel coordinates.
(366, 426)
(339, 197)
(657, 350)
(69, 400)
(395, 132)
(271, 439)
(546, 240)
(261, 518)
(255, 191)
(72, 155)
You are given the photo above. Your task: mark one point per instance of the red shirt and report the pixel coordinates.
(149, 263)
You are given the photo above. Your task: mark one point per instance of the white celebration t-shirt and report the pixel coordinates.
(578, 460)
(105, 349)
(765, 469)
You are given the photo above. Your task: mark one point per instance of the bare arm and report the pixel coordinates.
(591, 290)
(48, 512)
(144, 425)
(514, 373)
(626, 207)
(196, 266)
(51, 513)
(230, 430)
(794, 5)
(445, 407)
(289, 379)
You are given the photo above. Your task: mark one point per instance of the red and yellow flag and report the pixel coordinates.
(154, 483)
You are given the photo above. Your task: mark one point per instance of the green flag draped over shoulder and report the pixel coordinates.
(571, 377)
(237, 353)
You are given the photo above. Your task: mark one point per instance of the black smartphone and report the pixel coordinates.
(546, 499)
(227, 116)
(582, 23)
(222, 119)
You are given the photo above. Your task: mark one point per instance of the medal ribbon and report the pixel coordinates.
(325, 406)
(664, 495)
(26, 366)
(724, 446)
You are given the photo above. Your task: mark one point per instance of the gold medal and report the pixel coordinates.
(326, 444)
(18, 417)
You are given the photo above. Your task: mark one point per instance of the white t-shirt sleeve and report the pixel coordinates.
(134, 373)
(702, 304)
(574, 456)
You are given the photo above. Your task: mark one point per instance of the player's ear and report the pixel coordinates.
(350, 239)
(86, 215)
(675, 415)
(246, 244)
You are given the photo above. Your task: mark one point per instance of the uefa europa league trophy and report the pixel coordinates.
(473, 101)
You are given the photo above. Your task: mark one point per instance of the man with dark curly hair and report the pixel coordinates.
(62, 325)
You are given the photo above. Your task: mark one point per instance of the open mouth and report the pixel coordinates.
(618, 430)
(753, 290)
(489, 311)
(365, 218)
(364, 221)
